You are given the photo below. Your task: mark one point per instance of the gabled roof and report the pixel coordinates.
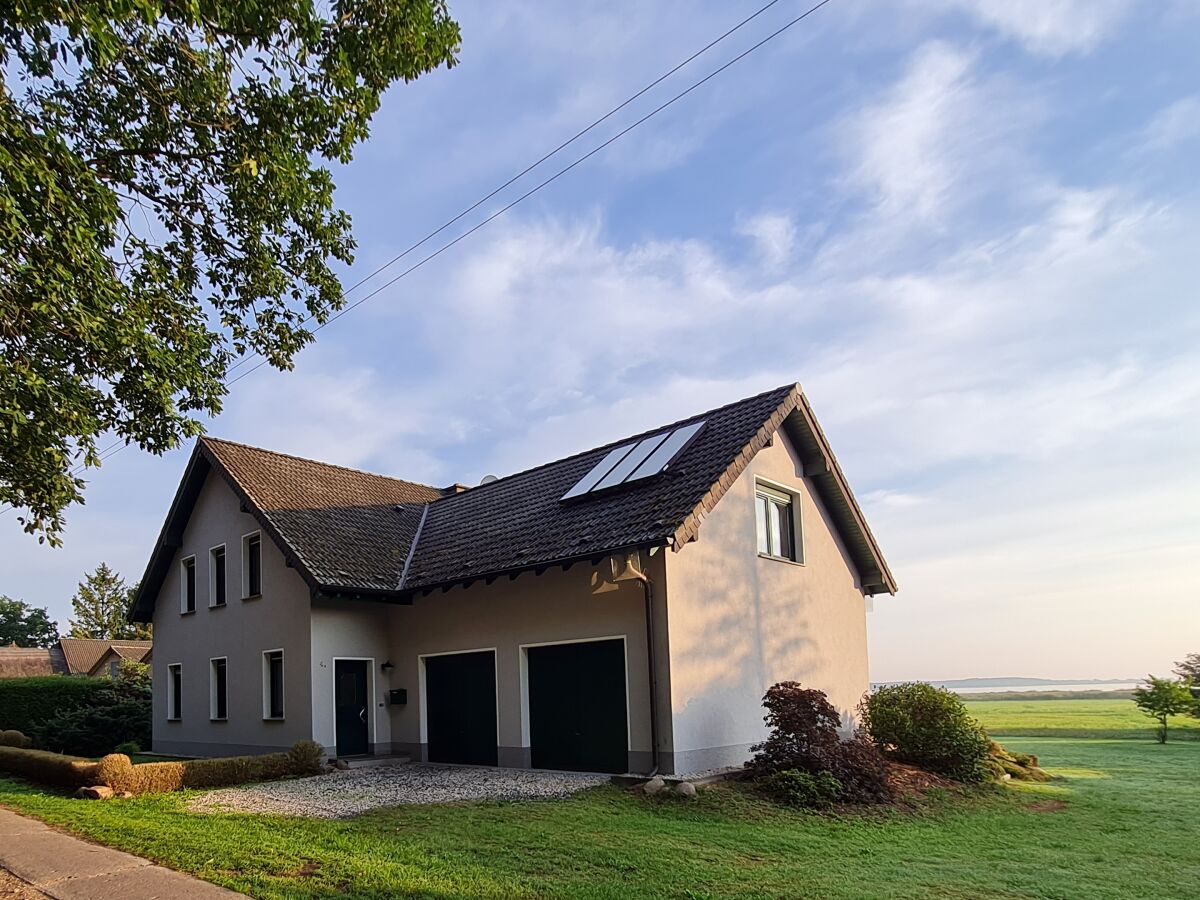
(24, 662)
(352, 533)
(83, 654)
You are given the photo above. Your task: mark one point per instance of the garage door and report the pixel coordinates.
(577, 716)
(460, 707)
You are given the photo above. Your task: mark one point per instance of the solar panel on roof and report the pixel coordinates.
(635, 461)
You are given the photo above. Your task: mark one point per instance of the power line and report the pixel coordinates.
(117, 446)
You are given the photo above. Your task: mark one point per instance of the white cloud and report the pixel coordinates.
(773, 234)
(1171, 127)
(1047, 27)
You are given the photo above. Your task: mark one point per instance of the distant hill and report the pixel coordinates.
(1018, 681)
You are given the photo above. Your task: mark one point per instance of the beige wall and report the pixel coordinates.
(346, 629)
(555, 606)
(740, 623)
(241, 631)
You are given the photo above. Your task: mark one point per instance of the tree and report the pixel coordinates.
(25, 625)
(166, 204)
(101, 606)
(1188, 668)
(1162, 697)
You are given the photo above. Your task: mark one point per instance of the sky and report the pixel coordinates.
(969, 228)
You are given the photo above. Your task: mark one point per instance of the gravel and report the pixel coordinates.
(348, 793)
(13, 888)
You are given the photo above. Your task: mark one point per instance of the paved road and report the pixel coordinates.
(68, 868)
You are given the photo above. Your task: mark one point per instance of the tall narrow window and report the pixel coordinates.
(216, 576)
(273, 684)
(776, 523)
(187, 588)
(174, 692)
(218, 706)
(251, 565)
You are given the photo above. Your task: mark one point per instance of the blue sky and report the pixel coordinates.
(968, 227)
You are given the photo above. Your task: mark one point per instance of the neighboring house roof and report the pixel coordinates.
(23, 662)
(356, 534)
(85, 655)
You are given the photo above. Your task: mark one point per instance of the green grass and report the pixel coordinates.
(1122, 823)
(1076, 718)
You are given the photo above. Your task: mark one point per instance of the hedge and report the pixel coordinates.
(26, 702)
(45, 767)
(118, 772)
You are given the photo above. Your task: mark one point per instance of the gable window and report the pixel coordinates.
(217, 684)
(187, 586)
(252, 565)
(216, 576)
(273, 684)
(174, 692)
(775, 520)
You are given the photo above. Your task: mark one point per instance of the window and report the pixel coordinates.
(216, 576)
(174, 692)
(251, 565)
(774, 514)
(187, 588)
(273, 684)
(218, 707)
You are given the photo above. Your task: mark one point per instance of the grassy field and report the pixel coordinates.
(1121, 823)
(1076, 718)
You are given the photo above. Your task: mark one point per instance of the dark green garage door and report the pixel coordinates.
(577, 716)
(460, 707)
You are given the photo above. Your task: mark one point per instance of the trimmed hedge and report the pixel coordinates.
(118, 772)
(27, 702)
(13, 738)
(53, 769)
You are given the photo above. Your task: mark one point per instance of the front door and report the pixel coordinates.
(352, 706)
(460, 707)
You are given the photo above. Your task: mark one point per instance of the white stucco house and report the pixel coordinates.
(618, 610)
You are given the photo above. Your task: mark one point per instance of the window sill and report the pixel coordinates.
(252, 597)
(187, 612)
(274, 719)
(782, 559)
(176, 719)
(217, 605)
(212, 719)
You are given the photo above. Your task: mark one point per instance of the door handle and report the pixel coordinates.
(362, 714)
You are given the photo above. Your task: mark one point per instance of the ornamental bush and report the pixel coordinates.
(928, 727)
(118, 772)
(53, 769)
(804, 737)
(13, 738)
(796, 787)
(97, 730)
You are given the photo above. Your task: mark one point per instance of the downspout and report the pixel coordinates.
(648, 588)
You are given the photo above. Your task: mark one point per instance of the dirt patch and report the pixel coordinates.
(308, 870)
(13, 888)
(1047, 806)
(909, 781)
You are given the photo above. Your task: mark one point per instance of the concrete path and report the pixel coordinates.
(68, 868)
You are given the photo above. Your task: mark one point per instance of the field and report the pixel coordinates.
(1121, 823)
(1076, 718)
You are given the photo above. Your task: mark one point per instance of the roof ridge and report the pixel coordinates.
(319, 462)
(633, 437)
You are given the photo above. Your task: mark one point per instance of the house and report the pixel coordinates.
(618, 610)
(95, 657)
(24, 662)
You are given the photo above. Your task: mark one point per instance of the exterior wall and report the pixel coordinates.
(552, 607)
(240, 631)
(343, 629)
(741, 622)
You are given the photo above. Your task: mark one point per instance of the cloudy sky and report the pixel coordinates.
(968, 227)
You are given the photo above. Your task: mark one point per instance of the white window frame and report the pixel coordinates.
(266, 685)
(174, 712)
(212, 576)
(183, 585)
(212, 690)
(246, 595)
(781, 492)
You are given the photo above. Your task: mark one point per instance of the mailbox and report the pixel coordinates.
(398, 696)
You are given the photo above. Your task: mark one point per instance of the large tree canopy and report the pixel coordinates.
(25, 625)
(100, 608)
(165, 205)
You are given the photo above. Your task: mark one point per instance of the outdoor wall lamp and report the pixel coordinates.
(387, 666)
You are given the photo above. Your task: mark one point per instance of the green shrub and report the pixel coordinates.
(52, 769)
(96, 730)
(119, 773)
(14, 738)
(26, 702)
(928, 727)
(805, 789)
(129, 748)
(804, 737)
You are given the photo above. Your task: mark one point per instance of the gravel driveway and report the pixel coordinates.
(348, 793)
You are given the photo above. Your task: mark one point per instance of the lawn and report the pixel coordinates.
(1122, 823)
(1076, 718)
